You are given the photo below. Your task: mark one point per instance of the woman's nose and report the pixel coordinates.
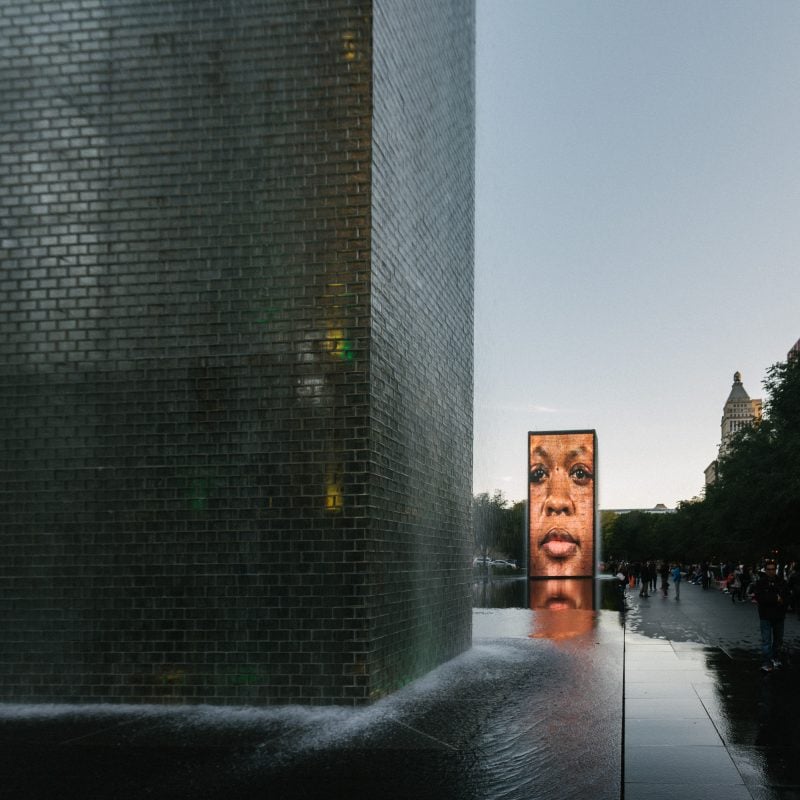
(558, 499)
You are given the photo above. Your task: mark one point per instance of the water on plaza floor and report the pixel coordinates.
(531, 710)
(755, 714)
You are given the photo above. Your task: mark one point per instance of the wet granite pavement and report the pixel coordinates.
(534, 710)
(701, 719)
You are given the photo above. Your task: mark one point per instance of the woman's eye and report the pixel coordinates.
(538, 474)
(581, 474)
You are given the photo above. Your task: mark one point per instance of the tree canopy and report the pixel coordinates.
(753, 508)
(499, 526)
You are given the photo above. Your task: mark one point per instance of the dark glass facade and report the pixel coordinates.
(236, 342)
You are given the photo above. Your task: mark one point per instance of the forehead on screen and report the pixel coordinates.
(569, 445)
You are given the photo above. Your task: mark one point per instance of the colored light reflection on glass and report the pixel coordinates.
(338, 345)
(334, 492)
(349, 46)
(198, 494)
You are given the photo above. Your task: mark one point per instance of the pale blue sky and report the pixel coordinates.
(637, 229)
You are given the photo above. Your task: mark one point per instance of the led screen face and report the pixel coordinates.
(561, 504)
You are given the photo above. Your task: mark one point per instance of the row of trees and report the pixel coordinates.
(750, 511)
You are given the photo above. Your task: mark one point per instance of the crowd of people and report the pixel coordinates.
(650, 577)
(772, 586)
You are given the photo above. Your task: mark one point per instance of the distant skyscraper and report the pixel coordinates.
(739, 411)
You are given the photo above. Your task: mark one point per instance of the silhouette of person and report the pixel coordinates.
(676, 580)
(771, 592)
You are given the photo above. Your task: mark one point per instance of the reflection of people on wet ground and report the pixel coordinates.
(676, 580)
(645, 580)
(771, 592)
(775, 715)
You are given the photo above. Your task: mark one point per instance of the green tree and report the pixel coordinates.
(513, 531)
(640, 536)
(753, 506)
(486, 521)
(610, 552)
(499, 527)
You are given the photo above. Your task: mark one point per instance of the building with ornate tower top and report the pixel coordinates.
(739, 410)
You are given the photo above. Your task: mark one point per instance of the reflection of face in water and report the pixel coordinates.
(562, 594)
(561, 504)
(563, 607)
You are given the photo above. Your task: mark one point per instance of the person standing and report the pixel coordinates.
(737, 590)
(771, 593)
(622, 582)
(645, 580)
(676, 580)
(664, 570)
(746, 579)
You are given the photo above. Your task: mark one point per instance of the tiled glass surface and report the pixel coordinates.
(235, 348)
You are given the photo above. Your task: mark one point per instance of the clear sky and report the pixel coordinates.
(637, 229)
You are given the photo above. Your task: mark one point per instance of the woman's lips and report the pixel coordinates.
(558, 543)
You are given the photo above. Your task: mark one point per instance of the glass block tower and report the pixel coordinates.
(236, 395)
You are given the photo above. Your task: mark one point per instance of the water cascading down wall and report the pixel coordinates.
(236, 341)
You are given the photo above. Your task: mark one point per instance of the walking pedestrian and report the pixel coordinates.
(645, 580)
(664, 577)
(746, 580)
(622, 582)
(772, 595)
(676, 580)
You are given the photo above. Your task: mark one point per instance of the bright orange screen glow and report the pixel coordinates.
(561, 504)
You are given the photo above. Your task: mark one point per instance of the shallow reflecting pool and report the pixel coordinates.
(530, 711)
(490, 591)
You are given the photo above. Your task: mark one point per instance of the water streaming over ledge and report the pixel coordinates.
(531, 710)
